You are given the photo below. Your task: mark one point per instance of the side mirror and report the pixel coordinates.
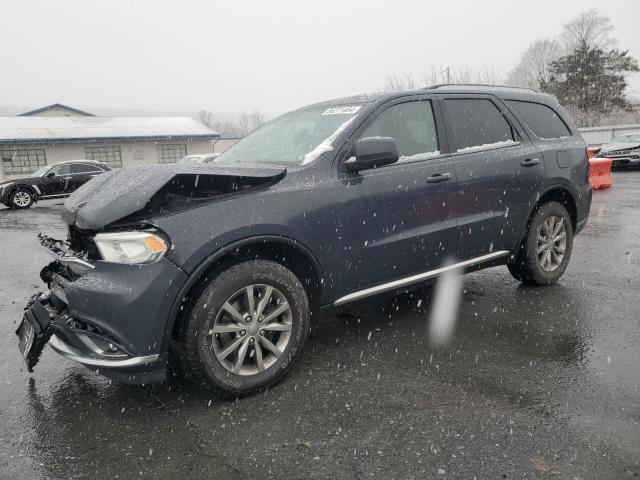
(372, 152)
(51, 174)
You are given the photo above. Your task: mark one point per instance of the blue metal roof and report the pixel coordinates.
(53, 106)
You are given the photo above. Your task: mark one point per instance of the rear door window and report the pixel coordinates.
(477, 124)
(412, 126)
(543, 121)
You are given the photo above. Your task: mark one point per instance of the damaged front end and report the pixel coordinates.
(111, 285)
(49, 319)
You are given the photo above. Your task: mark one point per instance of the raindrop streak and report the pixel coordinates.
(444, 312)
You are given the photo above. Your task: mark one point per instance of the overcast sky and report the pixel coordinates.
(238, 55)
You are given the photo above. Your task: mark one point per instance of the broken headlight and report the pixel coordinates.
(130, 247)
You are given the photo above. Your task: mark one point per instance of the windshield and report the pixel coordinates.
(41, 171)
(627, 138)
(295, 138)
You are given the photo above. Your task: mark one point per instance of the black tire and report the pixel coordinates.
(197, 350)
(527, 267)
(18, 197)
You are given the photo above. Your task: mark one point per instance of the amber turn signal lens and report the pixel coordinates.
(155, 244)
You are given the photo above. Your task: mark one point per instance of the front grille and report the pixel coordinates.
(82, 242)
(622, 151)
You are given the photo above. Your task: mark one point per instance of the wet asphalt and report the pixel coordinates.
(537, 383)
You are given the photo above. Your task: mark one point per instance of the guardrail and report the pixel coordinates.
(596, 136)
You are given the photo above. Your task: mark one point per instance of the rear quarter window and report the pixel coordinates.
(542, 120)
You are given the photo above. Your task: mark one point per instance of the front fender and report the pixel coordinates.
(199, 271)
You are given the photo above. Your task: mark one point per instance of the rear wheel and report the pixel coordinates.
(21, 198)
(546, 249)
(245, 329)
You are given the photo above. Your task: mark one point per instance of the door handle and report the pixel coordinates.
(439, 177)
(529, 162)
(67, 178)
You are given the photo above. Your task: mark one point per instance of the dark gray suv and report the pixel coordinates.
(217, 269)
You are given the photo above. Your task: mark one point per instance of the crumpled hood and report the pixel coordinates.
(612, 147)
(116, 194)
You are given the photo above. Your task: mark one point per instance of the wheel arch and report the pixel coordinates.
(284, 250)
(563, 195)
(24, 186)
(559, 193)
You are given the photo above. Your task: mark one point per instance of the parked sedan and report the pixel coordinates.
(623, 150)
(53, 181)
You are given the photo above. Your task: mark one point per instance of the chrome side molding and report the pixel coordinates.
(403, 282)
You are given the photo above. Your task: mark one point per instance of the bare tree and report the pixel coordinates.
(227, 129)
(590, 28)
(533, 68)
(484, 75)
(465, 74)
(396, 83)
(248, 122)
(436, 75)
(206, 118)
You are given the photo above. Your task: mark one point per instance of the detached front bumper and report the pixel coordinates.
(111, 318)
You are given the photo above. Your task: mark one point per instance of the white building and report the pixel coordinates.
(57, 133)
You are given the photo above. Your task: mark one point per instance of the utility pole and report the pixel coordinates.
(448, 74)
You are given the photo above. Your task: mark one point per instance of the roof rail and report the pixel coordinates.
(439, 85)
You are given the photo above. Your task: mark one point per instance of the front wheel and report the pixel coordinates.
(546, 249)
(21, 198)
(245, 329)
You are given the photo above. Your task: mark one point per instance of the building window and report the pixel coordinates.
(18, 161)
(171, 152)
(109, 154)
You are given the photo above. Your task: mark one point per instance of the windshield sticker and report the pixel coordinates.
(341, 110)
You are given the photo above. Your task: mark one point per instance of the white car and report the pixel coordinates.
(206, 158)
(623, 150)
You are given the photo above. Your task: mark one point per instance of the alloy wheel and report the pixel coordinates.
(252, 329)
(21, 198)
(551, 244)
